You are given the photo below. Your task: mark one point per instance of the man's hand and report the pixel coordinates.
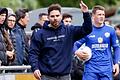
(82, 55)
(37, 74)
(116, 69)
(83, 6)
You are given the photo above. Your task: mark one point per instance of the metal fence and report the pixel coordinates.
(25, 68)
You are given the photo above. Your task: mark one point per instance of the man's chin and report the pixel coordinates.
(55, 25)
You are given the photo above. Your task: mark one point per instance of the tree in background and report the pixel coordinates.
(16, 4)
(74, 3)
(110, 5)
(34, 4)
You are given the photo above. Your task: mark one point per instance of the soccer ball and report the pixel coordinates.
(86, 49)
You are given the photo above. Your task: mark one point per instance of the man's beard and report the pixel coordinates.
(55, 24)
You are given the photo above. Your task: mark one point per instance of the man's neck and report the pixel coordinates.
(21, 23)
(55, 27)
(98, 25)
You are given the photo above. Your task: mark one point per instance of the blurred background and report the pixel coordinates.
(34, 4)
(112, 7)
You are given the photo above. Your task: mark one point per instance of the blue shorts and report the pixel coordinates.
(97, 76)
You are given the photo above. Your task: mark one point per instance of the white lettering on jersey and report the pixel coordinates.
(56, 38)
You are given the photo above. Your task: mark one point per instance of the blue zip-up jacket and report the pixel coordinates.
(51, 49)
(19, 45)
(100, 40)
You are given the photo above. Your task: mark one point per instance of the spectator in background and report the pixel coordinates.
(117, 29)
(22, 19)
(6, 47)
(10, 11)
(67, 19)
(108, 21)
(50, 51)
(42, 18)
(3, 55)
(11, 21)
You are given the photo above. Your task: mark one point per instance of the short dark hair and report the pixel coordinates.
(21, 13)
(3, 10)
(117, 26)
(42, 14)
(98, 7)
(54, 7)
(66, 15)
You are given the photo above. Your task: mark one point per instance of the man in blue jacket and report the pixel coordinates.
(103, 64)
(50, 51)
(22, 19)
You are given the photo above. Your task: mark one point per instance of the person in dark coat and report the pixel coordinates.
(10, 24)
(117, 30)
(22, 19)
(6, 47)
(42, 18)
(50, 53)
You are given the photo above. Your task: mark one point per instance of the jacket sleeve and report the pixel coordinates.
(34, 50)
(86, 28)
(116, 47)
(78, 44)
